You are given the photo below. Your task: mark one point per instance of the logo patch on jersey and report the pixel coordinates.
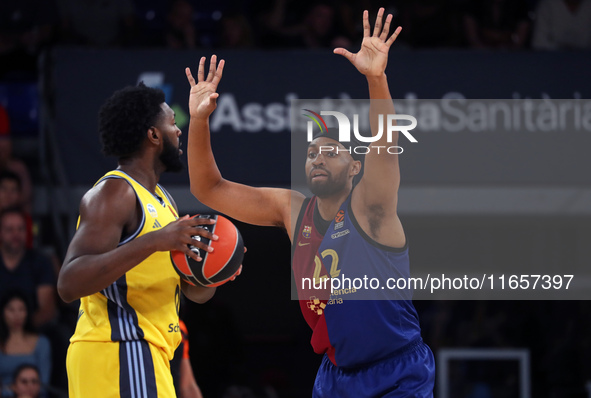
(316, 305)
(307, 231)
(339, 234)
(156, 225)
(340, 217)
(152, 210)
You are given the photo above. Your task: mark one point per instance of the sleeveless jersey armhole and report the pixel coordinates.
(141, 226)
(367, 238)
(165, 192)
(298, 225)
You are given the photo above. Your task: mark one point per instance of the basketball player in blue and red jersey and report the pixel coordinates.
(118, 263)
(371, 348)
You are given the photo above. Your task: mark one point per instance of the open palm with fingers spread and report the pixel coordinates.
(372, 58)
(202, 98)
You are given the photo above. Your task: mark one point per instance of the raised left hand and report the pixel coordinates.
(372, 58)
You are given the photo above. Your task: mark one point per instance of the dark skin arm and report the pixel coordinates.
(375, 199)
(93, 261)
(188, 387)
(259, 206)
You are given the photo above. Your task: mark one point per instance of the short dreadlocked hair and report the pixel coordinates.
(125, 117)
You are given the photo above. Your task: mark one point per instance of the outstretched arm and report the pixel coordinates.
(260, 206)
(376, 196)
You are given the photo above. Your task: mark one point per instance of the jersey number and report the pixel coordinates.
(334, 266)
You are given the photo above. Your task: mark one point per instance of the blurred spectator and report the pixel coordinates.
(25, 269)
(431, 23)
(236, 31)
(497, 24)
(26, 27)
(562, 24)
(182, 371)
(180, 31)
(26, 382)
(19, 343)
(320, 28)
(11, 195)
(97, 22)
(303, 24)
(348, 12)
(8, 162)
(280, 22)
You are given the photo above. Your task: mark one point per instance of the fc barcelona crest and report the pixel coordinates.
(307, 232)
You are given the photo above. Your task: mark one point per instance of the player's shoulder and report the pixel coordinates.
(297, 199)
(113, 193)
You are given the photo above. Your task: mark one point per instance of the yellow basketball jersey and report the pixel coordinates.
(143, 304)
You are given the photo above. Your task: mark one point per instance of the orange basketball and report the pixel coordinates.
(217, 267)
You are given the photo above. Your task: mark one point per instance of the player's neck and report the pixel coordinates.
(329, 206)
(141, 171)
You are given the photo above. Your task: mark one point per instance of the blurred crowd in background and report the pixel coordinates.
(33, 317)
(28, 26)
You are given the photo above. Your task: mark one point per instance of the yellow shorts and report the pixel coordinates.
(127, 369)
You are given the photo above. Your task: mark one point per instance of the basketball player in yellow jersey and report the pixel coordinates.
(118, 263)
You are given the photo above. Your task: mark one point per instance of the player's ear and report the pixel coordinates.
(356, 168)
(154, 135)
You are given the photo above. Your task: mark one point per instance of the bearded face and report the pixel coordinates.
(328, 170)
(171, 156)
(323, 183)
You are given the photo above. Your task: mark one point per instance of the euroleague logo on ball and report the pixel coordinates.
(217, 267)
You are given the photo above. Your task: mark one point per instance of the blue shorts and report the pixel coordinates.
(408, 373)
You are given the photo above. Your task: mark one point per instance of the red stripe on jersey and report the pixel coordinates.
(312, 301)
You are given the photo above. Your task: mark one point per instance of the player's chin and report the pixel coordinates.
(318, 186)
(313, 184)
